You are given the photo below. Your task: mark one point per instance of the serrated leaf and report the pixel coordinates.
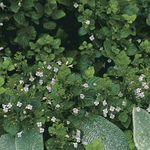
(31, 140)
(141, 128)
(99, 128)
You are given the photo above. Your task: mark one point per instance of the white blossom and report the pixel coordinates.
(59, 62)
(9, 105)
(109, 60)
(26, 88)
(49, 67)
(141, 77)
(57, 106)
(96, 103)
(82, 96)
(5, 108)
(138, 109)
(41, 130)
(92, 37)
(75, 145)
(105, 112)
(19, 134)
(39, 124)
(1, 24)
(87, 22)
(112, 116)
(31, 78)
(124, 103)
(39, 74)
(53, 119)
(75, 110)
(53, 81)
(2, 6)
(49, 88)
(41, 82)
(19, 104)
(76, 5)
(112, 108)
(85, 85)
(120, 94)
(118, 109)
(21, 82)
(104, 103)
(68, 122)
(55, 69)
(29, 106)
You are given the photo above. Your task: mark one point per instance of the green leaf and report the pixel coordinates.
(99, 128)
(2, 90)
(58, 14)
(49, 25)
(141, 128)
(94, 145)
(148, 20)
(31, 140)
(1, 81)
(14, 6)
(123, 116)
(20, 18)
(89, 72)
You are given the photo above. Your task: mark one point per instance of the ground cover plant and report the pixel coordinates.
(68, 66)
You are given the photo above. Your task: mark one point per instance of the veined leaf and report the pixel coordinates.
(141, 129)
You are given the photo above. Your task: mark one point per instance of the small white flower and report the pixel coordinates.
(9, 105)
(118, 109)
(104, 103)
(144, 84)
(41, 82)
(5, 108)
(101, 48)
(141, 77)
(29, 106)
(19, 104)
(109, 60)
(68, 122)
(82, 96)
(105, 112)
(39, 74)
(19, 4)
(112, 116)
(76, 5)
(26, 88)
(142, 95)
(96, 103)
(44, 98)
(1, 24)
(120, 94)
(39, 124)
(138, 109)
(124, 103)
(94, 84)
(31, 78)
(49, 102)
(59, 62)
(75, 110)
(139, 40)
(49, 88)
(19, 134)
(57, 106)
(112, 108)
(87, 22)
(85, 85)
(148, 109)
(41, 130)
(92, 37)
(21, 82)
(53, 119)
(53, 81)
(67, 136)
(138, 90)
(55, 69)
(49, 67)
(2, 6)
(75, 145)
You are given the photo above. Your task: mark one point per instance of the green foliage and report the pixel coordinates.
(94, 145)
(110, 135)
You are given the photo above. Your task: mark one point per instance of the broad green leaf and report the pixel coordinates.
(94, 145)
(148, 20)
(49, 25)
(58, 14)
(141, 129)
(89, 72)
(31, 140)
(1, 81)
(99, 128)
(2, 90)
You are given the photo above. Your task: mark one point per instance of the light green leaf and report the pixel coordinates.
(31, 140)
(58, 14)
(1, 81)
(100, 128)
(95, 145)
(141, 129)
